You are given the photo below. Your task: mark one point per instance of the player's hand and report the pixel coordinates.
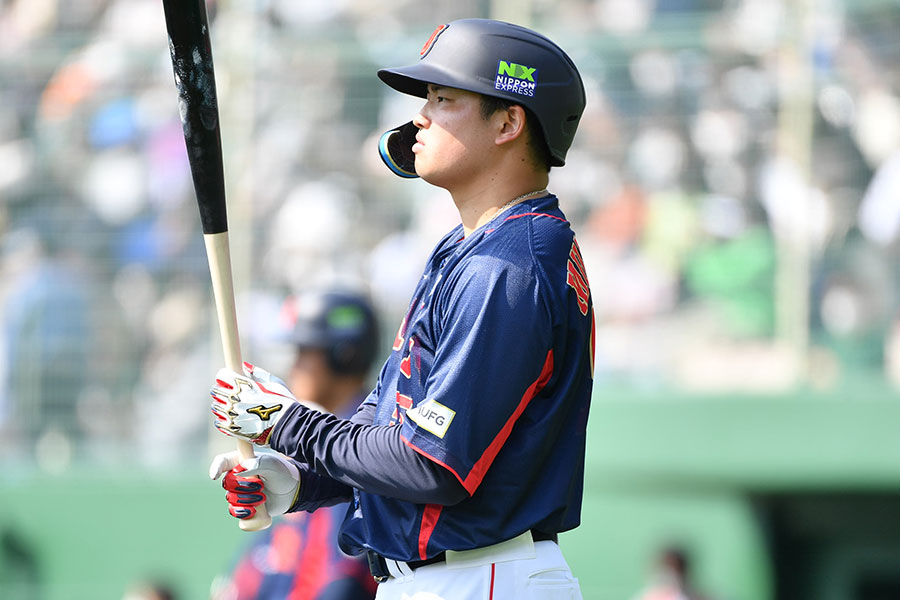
(277, 486)
(248, 405)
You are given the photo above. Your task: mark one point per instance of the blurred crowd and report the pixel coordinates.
(734, 185)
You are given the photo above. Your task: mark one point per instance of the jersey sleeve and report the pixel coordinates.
(318, 491)
(492, 358)
(335, 455)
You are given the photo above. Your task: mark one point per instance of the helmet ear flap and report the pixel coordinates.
(395, 148)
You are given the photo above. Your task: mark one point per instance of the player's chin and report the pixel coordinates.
(427, 171)
(432, 179)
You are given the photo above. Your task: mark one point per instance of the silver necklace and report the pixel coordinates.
(518, 199)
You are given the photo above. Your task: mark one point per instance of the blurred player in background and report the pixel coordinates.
(671, 578)
(335, 334)
(467, 459)
(150, 589)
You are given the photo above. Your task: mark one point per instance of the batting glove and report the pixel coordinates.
(248, 406)
(277, 485)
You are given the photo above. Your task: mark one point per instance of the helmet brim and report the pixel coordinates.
(414, 79)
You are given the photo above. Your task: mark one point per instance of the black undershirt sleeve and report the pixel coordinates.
(337, 455)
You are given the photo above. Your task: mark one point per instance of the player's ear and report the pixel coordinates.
(511, 123)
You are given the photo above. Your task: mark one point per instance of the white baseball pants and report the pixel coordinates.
(518, 569)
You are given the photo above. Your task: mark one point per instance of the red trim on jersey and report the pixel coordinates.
(430, 517)
(473, 480)
(404, 401)
(405, 363)
(493, 572)
(577, 277)
(398, 340)
(433, 511)
(575, 255)
(511, 217)
(578, 283)
(433, 459)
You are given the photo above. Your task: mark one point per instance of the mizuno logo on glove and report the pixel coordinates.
(264, 412)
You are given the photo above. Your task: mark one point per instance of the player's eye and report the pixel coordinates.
(435, 96)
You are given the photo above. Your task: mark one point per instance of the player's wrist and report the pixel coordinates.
(285, 418)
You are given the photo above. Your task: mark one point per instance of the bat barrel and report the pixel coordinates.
(192, 62)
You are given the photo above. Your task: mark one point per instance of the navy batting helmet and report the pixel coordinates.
(342, 324)
(495, 59)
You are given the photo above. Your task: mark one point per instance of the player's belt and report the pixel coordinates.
(383, 568)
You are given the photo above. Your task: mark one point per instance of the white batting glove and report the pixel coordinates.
(248, 406)
(278, 489)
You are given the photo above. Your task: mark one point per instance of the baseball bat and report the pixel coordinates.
(191, 51)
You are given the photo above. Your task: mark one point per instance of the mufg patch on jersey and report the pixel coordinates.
(515, 78)
(432, 416)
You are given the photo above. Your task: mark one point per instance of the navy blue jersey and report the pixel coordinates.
(490, 377)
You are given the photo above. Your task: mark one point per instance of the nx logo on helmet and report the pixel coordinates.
(515, 78)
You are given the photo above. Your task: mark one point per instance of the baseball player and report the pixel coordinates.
(467, 459)
(335, 334)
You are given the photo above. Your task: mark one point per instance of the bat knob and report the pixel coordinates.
(257, 522)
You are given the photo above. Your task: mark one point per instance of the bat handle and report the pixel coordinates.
(219, 256)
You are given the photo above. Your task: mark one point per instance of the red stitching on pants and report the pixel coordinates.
(493, 568)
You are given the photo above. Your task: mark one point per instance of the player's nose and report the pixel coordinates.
(420, 120)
